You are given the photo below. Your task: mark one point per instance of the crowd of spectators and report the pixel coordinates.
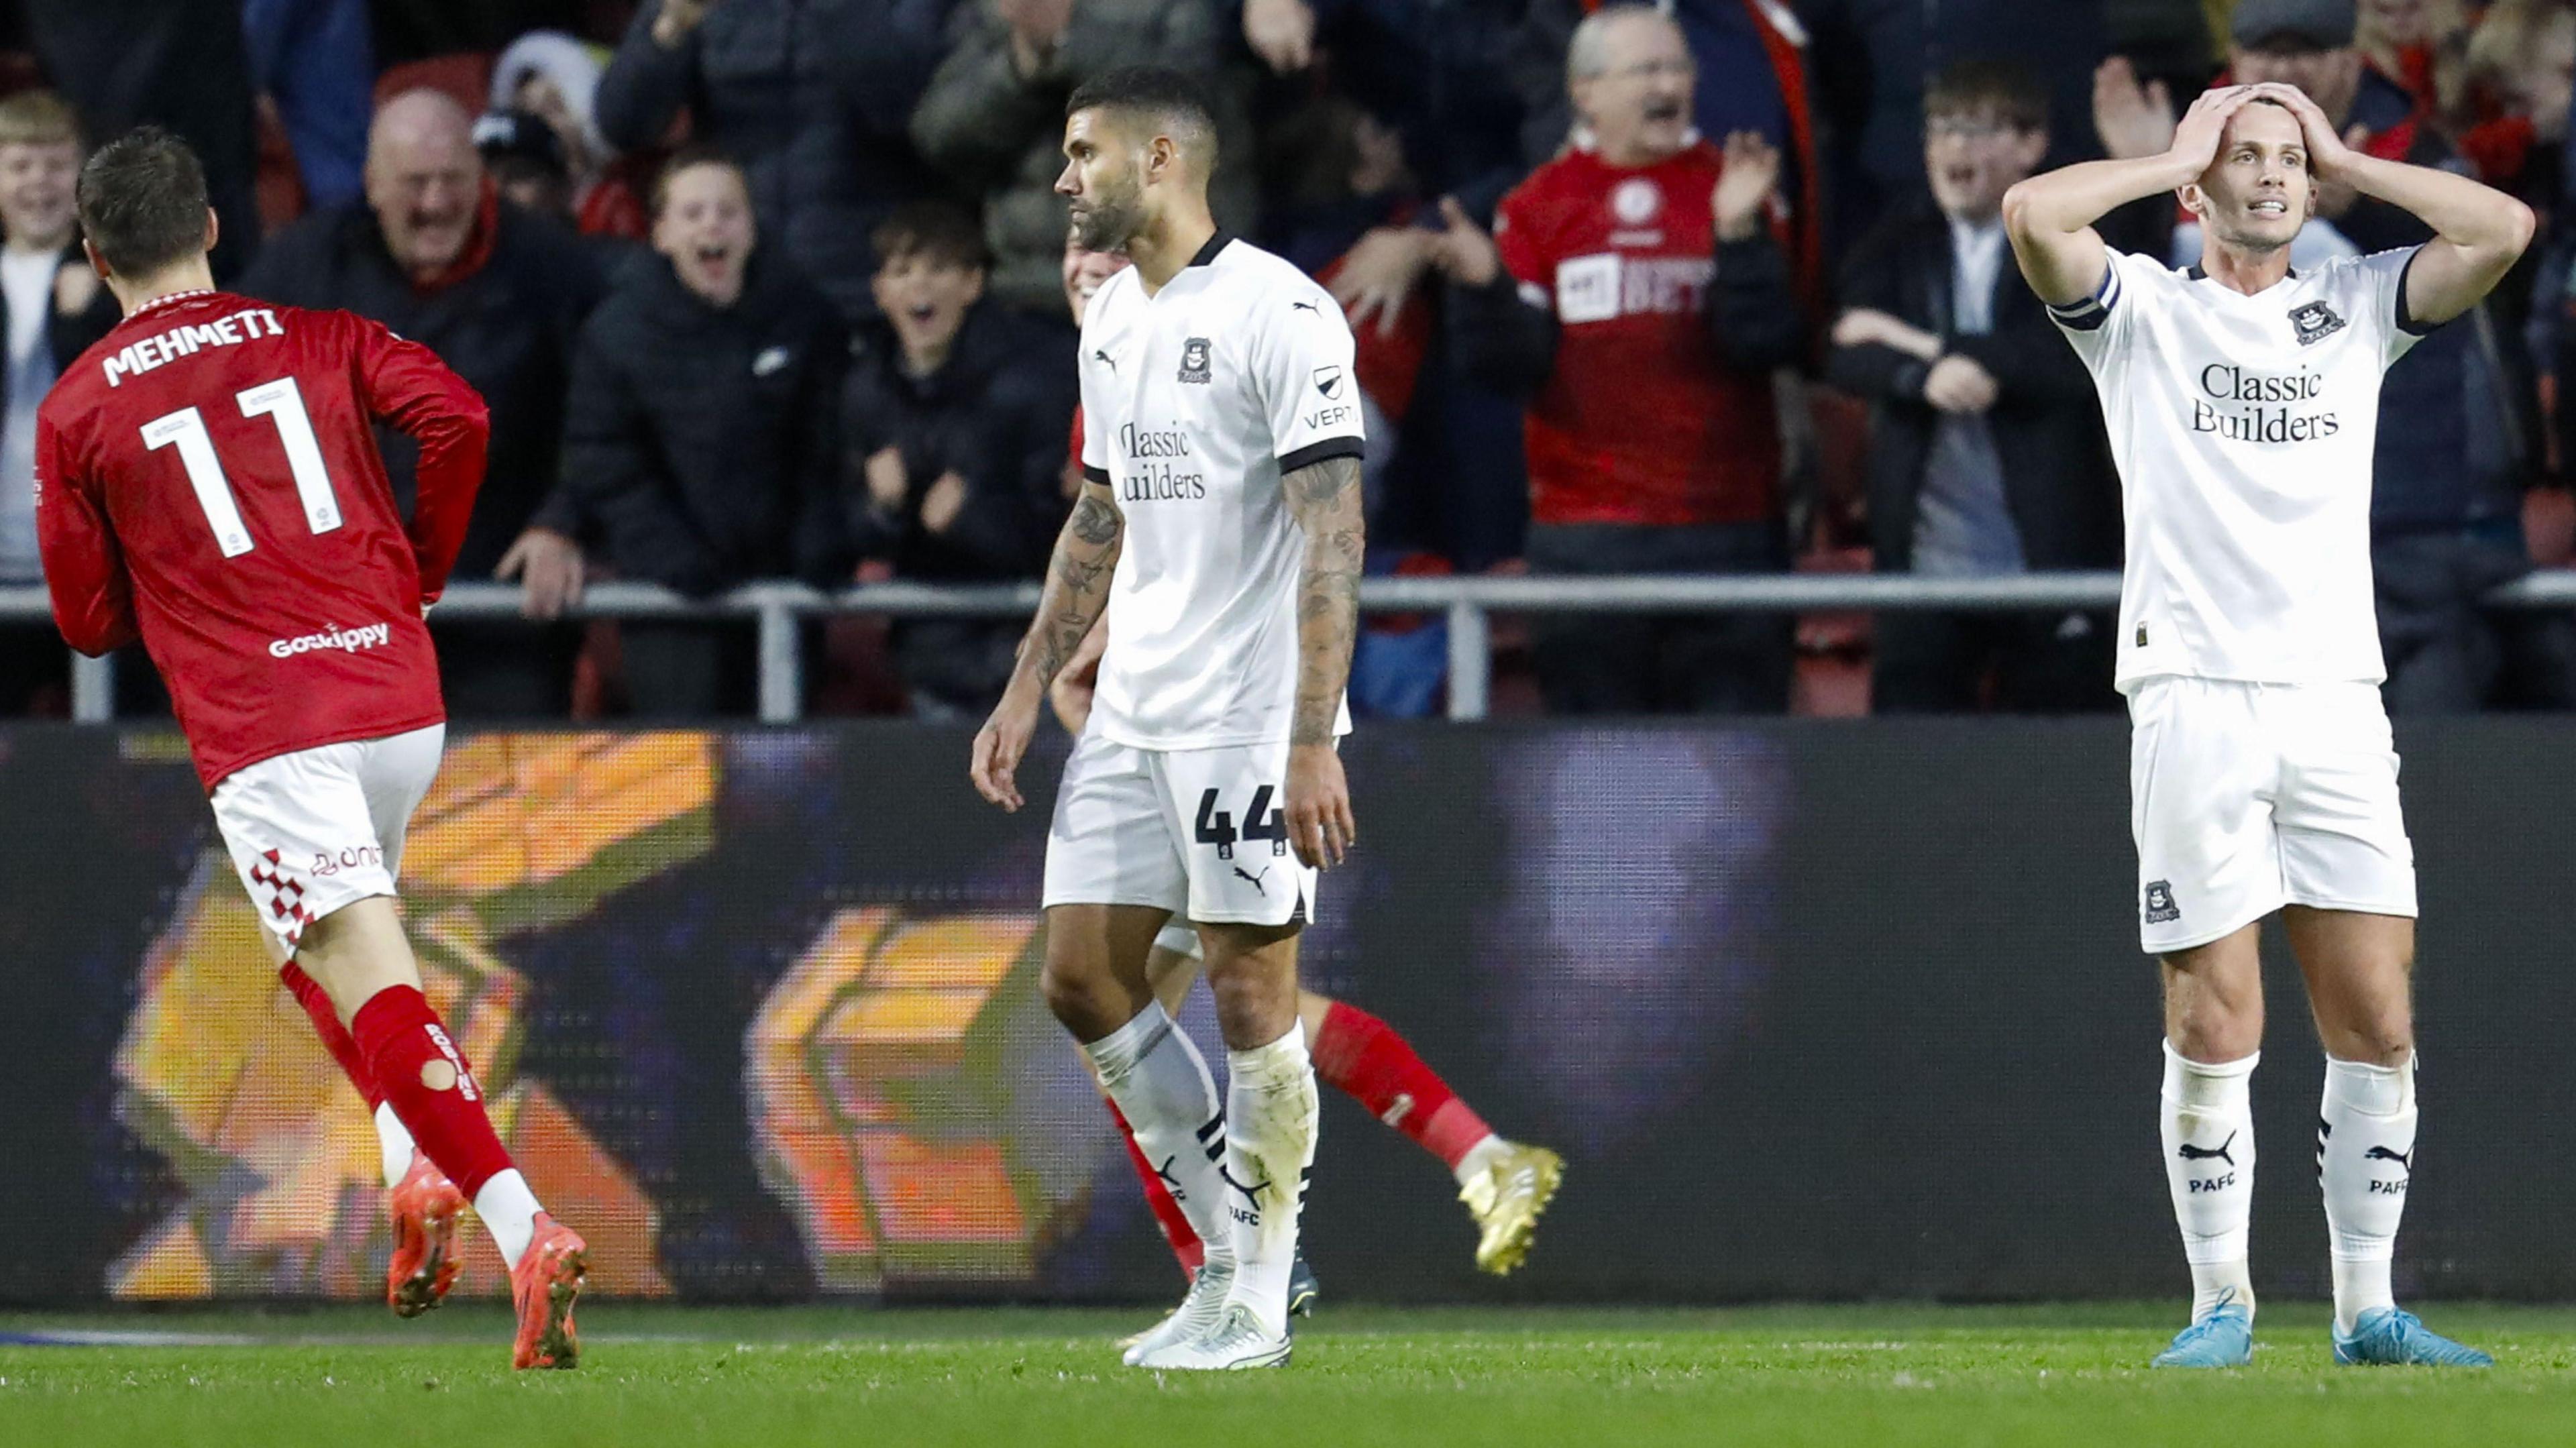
(779, 288)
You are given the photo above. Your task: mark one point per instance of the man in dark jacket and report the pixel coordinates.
(1638, 292)
(811, 96)
(953, 445)
(1986, 447)
(498, 294)
(699, 429)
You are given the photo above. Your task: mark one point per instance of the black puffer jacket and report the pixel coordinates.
(508, 329)
(998, 414)
(698, 436)
(812, 97)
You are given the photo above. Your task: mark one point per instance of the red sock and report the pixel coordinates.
(1175, 1222)
(1364, 1056)
(399, 1035)
(336, 1039)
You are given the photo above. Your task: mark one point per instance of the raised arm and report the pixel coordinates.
(1077, 590)
(2050, 218)
(1325, 496)
(650, 78)
(2478, 231)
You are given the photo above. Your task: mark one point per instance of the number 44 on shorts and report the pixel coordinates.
(1261, 822)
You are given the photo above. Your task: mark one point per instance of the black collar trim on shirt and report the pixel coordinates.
(2196, 274)
(1215, 244)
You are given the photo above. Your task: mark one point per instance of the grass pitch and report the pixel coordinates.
(842, 1377)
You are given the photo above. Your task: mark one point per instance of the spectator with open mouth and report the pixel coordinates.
(700, 427)
(952, 446)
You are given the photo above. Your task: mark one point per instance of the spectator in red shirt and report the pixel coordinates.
(1638, 292)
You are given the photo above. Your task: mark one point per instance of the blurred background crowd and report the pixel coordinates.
(780, 289)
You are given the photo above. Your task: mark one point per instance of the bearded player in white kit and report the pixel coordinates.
(1220, 527)
(2242, 398)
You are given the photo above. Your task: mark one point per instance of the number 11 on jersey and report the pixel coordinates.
(283, 404)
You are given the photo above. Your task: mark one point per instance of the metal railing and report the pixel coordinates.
(1468, 602)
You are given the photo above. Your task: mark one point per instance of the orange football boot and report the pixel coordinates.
(544, 1284)
(424, 1206)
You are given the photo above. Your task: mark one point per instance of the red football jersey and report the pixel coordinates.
(207, 480)
(1641, 422)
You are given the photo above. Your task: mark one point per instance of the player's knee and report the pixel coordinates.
(2382, 1038)
(1254, 1006)
(1066, 992)
(2213, 1033)
(1087, 1001)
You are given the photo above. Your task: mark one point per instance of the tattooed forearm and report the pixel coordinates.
(1095, 519)
(1077, 585)
(1325, 497)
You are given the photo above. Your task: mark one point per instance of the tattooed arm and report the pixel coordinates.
(1077, 590)
(1325, 497)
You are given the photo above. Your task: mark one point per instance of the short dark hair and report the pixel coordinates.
(1158, 91)
(939, 232)
(686, 158)
(142, 200)
(2000, 88)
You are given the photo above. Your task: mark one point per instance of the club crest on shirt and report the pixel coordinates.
(1328, 379)
(1194, 360)
(2314, 322)
(2161, 909)
(1635, 201)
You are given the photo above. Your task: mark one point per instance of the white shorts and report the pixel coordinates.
(1202, 833)
(315, 830)
(2244, 798)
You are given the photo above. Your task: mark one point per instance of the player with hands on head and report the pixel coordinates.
(2242, 398)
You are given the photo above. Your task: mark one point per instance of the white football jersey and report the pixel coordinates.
(2243, 429)
(1194, 401)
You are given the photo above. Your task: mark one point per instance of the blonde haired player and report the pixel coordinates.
(2242, 398)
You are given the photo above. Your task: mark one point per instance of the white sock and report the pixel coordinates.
(1479, 1158)
(509, 1210)
(1271, 1112)
(393, 1140)
(2208, 1130)
(1160, 1083)
(2365, 1157)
